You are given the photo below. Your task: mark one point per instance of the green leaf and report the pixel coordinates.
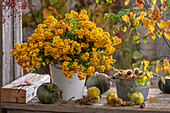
(135, 39)
(129, 95)
(167, 3)
(141, 75)
(136, 64)
(136, 27)
(43, 63)
(126, 88)
(145, 38)
(154, 1)
(127, 10)
(149, 68)
(113, 68)
(167, 14)
(124, 49)
(131, 103)
(153, 36)
(122, 28)
(132, 87)
(137, 55)
(121, 13)
(53, 2)
(138, 10)
(157, 62)
(110, 14)
(97, 1)
(141, 67)
(127, 39)
(114, 16)
(137, 82)
(33, 68)
(98, 98)
(105, 15)
(142, 81)
(131, 29)
(114, 28)
(142, 24)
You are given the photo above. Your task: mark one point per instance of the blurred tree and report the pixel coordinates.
(36, 15)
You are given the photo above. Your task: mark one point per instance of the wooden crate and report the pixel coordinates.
(20, 92)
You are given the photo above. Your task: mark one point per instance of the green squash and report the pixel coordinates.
(164, 87)
(100, 80)
(46, 93)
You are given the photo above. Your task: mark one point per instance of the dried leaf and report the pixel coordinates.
(163, 79)
(126, 2)
(159, 68)
(139, 4)
(46, 13)
(162, 1)
(28, 83)
(167, 34)
(146, 22)
(125, 18)
(163, 7)
(144, 78)
(151, 99)
(51, 8)
(148, 83)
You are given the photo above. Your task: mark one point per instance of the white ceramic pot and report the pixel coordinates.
(70, 87)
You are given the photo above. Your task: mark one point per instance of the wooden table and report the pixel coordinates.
(160, 105)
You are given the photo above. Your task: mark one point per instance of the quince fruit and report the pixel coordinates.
(137, 98)
(110, 95)
(93, 92)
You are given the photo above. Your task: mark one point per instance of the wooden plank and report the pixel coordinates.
(17, 92)
(23, 111)
(7, 44)
(17, 31)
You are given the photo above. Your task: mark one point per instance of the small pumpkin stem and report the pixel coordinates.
(96, 74)
(49, 86)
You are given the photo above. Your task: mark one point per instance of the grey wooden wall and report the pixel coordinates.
(10, 33)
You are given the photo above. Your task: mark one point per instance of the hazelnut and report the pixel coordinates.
(116, 75)
(123, 104)
(142, 105)
(136, 71)
(129, 72)
(127, 104)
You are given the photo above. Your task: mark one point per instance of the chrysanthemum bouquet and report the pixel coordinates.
(75, 43)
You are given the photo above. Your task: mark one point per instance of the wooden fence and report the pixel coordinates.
(10, 33)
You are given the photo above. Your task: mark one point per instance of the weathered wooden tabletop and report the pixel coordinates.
(161, 104)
